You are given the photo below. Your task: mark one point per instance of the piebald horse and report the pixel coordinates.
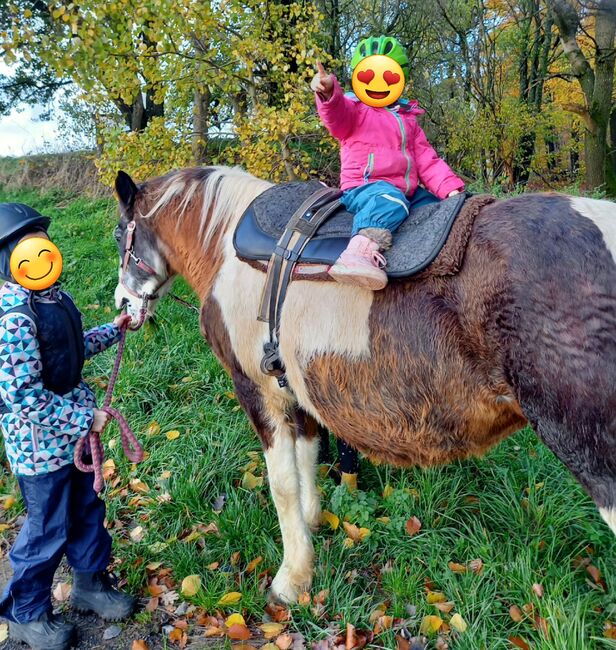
(424, 372)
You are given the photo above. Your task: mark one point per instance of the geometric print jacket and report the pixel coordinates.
(42, 428)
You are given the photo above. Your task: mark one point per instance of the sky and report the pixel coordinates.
(22, 133)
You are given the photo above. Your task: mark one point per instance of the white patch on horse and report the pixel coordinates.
(306, 454)
(609, 515)
(602, 214)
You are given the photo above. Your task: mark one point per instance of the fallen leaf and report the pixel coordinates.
(476, 566)
(219, 503)
(542, 626)
(235, 558)
(109, 468)
(62, 592)
(9, 502)
(383, 520)
(230, 599)
(253, 564)
(250, 481)
(321, 597)
(516, 613)
(402, 643)
(4, 632)
(458, 623)
(213, 566)
(239, 632)
(153, 429)
(284, 641)
(519, 642)
(137, 534)
(304, 599)
(595, 573)
(270, 630)
(383, 623)
(152, 604)
(609, 630)
(435, 597)
(191, 585)
(214, 630)
(235, 619)
(169, 598)
(430, 624)
(352, 531)
(441, 644)
(278, 613)
(456, 568)
(172, 435)
(139, 644)
(445, 607)
(4, 527)
(413, 526)
(387, 491)
(138, 485)
(331, 519)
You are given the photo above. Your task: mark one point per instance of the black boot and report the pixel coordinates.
(94, 592)
(50, 632)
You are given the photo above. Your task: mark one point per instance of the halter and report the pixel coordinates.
(129, 254)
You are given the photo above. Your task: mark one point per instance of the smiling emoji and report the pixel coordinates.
(36, 263)
(378, 80)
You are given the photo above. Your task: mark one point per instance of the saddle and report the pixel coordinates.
(304, 246)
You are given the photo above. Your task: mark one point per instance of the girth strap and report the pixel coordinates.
(302, 226)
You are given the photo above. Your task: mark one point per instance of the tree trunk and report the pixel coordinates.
(201, 109)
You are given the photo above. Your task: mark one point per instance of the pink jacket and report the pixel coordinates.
(384, 144)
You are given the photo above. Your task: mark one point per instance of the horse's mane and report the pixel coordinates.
(224, 193)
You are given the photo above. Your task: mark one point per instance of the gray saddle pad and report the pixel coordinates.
(416, 243)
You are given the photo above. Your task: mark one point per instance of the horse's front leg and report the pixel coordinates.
(295, 574)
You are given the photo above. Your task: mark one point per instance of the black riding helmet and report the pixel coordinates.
(16, 220)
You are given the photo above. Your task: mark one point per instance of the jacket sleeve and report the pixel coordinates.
(433, 171)
(338, 113)
(21, 384)
(98, 339)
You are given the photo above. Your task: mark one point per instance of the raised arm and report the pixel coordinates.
(337, 112)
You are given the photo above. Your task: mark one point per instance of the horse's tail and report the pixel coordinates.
(558, 325)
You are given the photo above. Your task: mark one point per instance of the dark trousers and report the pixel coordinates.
(64, 517)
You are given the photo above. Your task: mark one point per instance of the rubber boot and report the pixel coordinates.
(50, 632)
(360, 264)
(94, 592)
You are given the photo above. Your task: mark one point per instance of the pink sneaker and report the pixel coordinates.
(360, 264)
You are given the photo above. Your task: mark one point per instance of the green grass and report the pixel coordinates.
(517, 509)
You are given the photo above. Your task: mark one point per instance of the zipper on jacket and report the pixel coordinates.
(407, 178)
(71, 325)
(369, 168)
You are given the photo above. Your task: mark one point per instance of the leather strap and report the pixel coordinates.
(302, 226)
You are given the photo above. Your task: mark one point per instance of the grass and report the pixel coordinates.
(517, 509)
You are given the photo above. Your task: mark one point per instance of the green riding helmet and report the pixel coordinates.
(386, 45)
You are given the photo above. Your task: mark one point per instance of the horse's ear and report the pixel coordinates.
(126, 189)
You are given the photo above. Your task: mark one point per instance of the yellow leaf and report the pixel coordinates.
(153, 429)
(250, 481)
(387, 491)
(213, 566)
(173, 435)
(165, 475)
(9, 502)
(254, 564)
(458, 623)
(352, 531)
(191, 585)
(383, 520)
(4, 632)
(4, 527)
(270, 630)
(430, 624)
(137, 533)
(445, 607)
(456, 568)
(435, 597)
(363, 533)
(330, 518)
(230, 599)
(348, 543)
(235, 619)
(139, 486)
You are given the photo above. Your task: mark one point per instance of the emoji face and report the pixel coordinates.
(36, 263)
(378, 80)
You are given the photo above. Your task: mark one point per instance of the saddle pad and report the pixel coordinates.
(416, 243)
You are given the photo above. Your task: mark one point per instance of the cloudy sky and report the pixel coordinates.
(22, 133)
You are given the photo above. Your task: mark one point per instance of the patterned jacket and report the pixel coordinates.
(42, 427)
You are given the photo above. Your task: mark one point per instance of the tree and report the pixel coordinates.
(597, 83)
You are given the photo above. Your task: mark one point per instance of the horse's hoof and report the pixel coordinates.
(286, 591)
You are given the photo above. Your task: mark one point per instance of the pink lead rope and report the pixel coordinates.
(132, 448)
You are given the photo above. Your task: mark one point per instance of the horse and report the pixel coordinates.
(428, 370)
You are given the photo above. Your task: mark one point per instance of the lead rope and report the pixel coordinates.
(130, 444)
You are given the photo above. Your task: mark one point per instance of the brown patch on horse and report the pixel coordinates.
(247, 392)
(433, 388)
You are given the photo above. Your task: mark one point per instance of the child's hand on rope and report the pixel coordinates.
(322, 82)
(122, 321)
(100, 420)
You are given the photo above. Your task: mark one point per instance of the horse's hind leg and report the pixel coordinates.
(307, 454)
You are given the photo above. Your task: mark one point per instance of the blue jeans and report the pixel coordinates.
(64, 517)
(382, 205)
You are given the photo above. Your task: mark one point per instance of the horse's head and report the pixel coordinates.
(145, 275)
